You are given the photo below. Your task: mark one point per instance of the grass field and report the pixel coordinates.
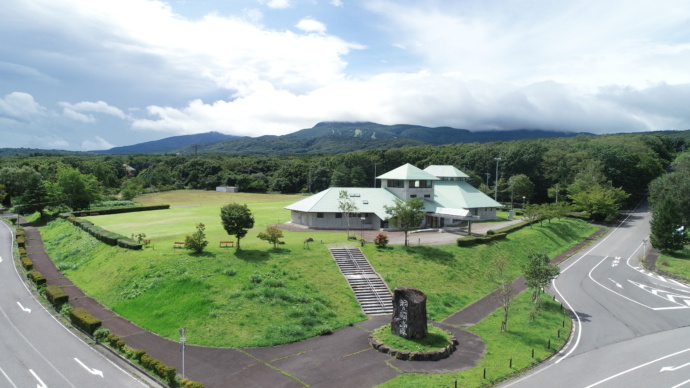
(262, 296)
(677, 263)
(516, 344)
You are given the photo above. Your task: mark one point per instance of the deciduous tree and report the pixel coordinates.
(347, 206)
(237, 219)
(272, 235)
(197, 241)
(406, 215)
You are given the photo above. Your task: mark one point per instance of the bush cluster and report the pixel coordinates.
(185, 383)
(21, 242)
(469, 241)
(27, 263)
(84, 320)
(37, 278)
(105, 236)
(116, 210)
(56, 296)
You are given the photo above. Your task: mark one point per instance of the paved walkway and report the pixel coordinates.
(341, 359)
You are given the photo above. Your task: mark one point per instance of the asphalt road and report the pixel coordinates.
(36, 350)
(631, 325)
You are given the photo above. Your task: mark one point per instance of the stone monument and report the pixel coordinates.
(409, 313)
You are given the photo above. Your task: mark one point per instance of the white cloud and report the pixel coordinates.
(97, 144)
(95, 107)
(20, 106)
(337, 3)
(277, 4)
(311, 25)
(76, 116)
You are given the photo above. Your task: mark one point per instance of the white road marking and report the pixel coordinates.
(617, 284)
(24, 308)
(92, 371)
(664, 294)
(41, 384)
(681, 384)
(7, 377)
(672, 368)
(638, 367)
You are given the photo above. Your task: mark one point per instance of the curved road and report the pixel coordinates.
(631, 325)
(36, 350)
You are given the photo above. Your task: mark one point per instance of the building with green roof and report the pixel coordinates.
(448, 200)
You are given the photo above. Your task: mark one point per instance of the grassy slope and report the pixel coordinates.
(517, 343)
(677, 263)
(301, 293)
(452, 277)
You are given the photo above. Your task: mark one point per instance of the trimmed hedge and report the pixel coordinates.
(37, 277)
(21, 242)
(469, 241)
(22, 252)
(110, 238)
(56, 296)
(119, 210)
(27, 263)
(84, 320)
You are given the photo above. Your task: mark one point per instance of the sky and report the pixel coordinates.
(95, 74)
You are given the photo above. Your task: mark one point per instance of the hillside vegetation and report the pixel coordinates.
(262, 296)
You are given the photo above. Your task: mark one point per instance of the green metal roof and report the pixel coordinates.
(445, 172)
(461, 195)
(408, 172)
(367, 200)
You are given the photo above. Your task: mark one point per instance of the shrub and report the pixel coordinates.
(27, 263)
(139, 354)
(37, 278)
(129, 244)
(490, 232)
(65, 309)
(56, 296)
(82, 319)
(101, 334)
(193, 384)
(112, 340)
(256, 278)
(22, 252)
(381, 240)
(467, 241)
(21, 242)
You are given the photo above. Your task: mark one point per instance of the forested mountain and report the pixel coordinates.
(329, 137)
(436, 136)
(169, 144)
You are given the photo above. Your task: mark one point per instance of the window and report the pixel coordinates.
(319, 215)
(413, 196)
(338, 215)
(425, 184)
(396, 183)
(427, 195)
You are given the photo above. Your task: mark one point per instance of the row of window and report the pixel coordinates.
(423, 184)
(340, 215)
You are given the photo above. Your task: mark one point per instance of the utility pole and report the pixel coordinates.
(496, 187)
(487, 178)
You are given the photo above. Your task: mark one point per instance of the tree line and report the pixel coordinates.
(582, 169)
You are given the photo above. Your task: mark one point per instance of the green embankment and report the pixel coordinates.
(516, 344)
(260, 296)
(676, 263)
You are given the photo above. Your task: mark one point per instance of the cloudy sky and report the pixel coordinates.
(93, 74)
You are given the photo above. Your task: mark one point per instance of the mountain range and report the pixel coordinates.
(330, 137)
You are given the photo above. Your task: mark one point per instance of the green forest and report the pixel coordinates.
(585, 170)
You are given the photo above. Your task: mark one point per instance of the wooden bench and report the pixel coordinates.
(178, 245)
(93, 214)
(226, 244)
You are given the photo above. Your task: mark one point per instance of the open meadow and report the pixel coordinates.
(260, 296)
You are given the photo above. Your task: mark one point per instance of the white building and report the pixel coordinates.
(448, 200)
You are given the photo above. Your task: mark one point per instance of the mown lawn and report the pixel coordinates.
(261, 296)
(677, 263)
(517, 343)
(454, 277)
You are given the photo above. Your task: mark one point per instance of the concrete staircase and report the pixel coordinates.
(370, 290)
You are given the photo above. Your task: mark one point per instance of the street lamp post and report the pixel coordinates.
(496, 187)
(487, 179)
(511, 193)
(182, 339)
(523, 202)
